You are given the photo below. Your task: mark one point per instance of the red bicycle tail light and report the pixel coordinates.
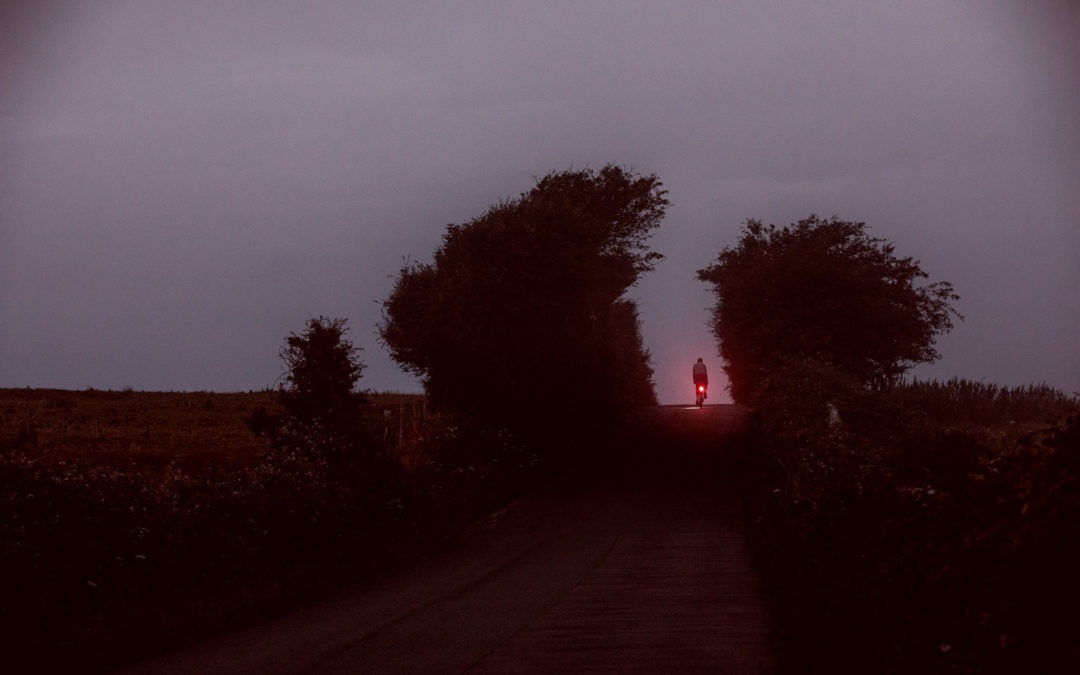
(701, 387)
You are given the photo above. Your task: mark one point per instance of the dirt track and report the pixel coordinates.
(638, 569)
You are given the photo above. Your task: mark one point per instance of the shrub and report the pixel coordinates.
(823, 289)
(521, 318)
(907, 541)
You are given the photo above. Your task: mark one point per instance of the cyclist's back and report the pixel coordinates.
(701, 373)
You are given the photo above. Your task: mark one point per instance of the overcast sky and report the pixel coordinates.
(184, 183)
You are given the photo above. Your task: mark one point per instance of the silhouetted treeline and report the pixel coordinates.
(521, 317)
(822, 294)
(898, 527)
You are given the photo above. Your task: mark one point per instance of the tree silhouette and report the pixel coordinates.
(824, 290)
(322, 369)
(521, 315)
(320, 412)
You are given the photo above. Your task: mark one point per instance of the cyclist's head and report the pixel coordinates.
(699, 359)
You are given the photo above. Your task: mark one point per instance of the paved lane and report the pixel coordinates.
(634, 563)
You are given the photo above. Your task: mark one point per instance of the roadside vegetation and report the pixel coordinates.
(914, 539)
(521, 317)
(900, 526)
(135, 523)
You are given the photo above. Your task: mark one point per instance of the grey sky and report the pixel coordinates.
(184, 183)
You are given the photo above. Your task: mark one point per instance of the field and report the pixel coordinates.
(128, 429)
(151, 430)
(137, 522)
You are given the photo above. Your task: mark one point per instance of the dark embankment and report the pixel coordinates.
(932, 528)
(136, 523)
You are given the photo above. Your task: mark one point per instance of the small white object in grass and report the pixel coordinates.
(834, 414)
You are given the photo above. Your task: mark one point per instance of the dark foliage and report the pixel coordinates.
(521, 318)
(901, 542)
(111, 555)
(321, 373)
(320, 410)
(105, 562)
(320, 441)
(827, 290)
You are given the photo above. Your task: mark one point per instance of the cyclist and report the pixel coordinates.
(701, 379)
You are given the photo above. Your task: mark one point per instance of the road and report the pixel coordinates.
(640, 568)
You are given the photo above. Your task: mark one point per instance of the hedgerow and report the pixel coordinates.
(100, 565)
(903, 539)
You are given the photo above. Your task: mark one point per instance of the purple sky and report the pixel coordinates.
(182, 184)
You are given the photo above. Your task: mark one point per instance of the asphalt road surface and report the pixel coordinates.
(633, 563)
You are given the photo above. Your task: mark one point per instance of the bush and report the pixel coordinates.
(902, 542)
(826, 290)
(521, 318)
(960, 401)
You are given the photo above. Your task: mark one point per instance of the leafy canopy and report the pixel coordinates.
(322, 369)
(825, 290)
(521, 314)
